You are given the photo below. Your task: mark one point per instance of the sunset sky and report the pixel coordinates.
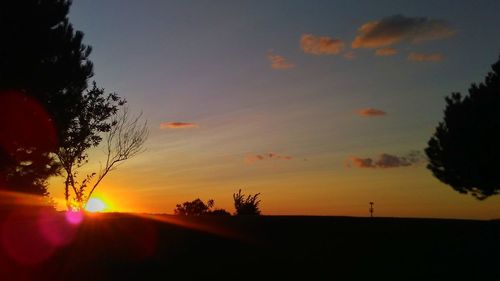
(318, 105)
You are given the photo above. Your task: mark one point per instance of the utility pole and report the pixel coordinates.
(371, 209)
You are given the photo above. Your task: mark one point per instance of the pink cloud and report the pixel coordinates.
(385, 161)
(320, 45)
(384, 52)
(350, 55)
(362, 162)
(279, 62)
(178, 125)
(371, 112)
(398, 28)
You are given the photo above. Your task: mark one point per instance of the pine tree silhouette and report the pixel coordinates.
(44, 72)
(464, 151)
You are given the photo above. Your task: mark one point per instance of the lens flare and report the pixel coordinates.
(95, 205)
(74, 217)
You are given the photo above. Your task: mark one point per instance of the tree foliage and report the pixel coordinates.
(198, 208)
(464, 151)
(44, 95)
(193, 208)
(124, 138)
(42, 60)
(248, 205)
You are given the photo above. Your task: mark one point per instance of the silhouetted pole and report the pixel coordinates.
(371, 209)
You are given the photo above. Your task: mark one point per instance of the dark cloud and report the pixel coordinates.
(425, 57)
(390, 30)
(386, 160)
(177, 125)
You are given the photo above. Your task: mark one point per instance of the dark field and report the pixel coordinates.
(144, 247)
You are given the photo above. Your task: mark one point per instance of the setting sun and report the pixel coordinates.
(95, 205)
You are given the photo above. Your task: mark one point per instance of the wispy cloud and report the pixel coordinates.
(371, 112)
(252, 158)
(390, 30)
(279, 62)
(320, 45)
(384, 52)
(350, 55)
(385, 161)
(418, 57)
(178, 125)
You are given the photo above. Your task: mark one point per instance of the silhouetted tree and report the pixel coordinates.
(49, 117)
(248, 205)
(44, 70)
(124, 138)
(464, 151)
(198, 208)
(85, 132)
(194, 208)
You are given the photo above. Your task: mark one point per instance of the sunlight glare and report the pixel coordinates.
(95, 205)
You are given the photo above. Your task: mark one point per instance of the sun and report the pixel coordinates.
(95, 205)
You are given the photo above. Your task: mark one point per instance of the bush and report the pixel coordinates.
(246, 206)
(219, 212)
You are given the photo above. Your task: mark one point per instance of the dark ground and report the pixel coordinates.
(131, 247)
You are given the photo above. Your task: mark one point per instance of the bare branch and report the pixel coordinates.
(124, 140)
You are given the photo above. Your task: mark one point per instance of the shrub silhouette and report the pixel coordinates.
(464, 150)
(218, 212)
(198, 208)
(248, 205)
(193, 208)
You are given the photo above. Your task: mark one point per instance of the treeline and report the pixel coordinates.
(243, 204)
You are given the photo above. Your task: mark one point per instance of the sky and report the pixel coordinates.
(321, 106)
